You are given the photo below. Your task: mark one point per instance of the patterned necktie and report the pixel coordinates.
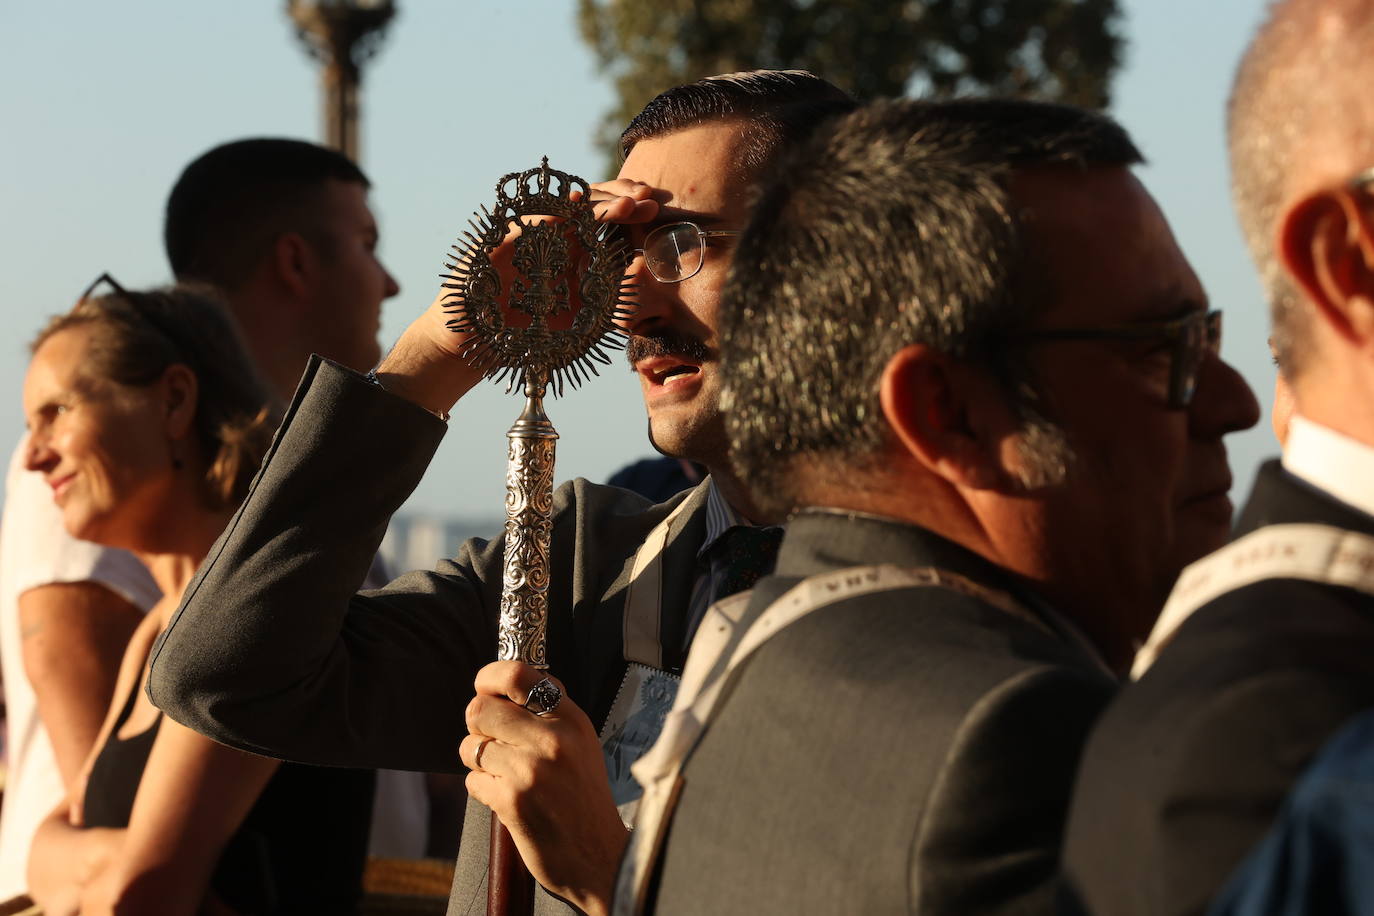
(746, 555)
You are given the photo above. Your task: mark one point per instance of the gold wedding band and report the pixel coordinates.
(477, 755)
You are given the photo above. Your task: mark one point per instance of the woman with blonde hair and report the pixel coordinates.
(148, 421)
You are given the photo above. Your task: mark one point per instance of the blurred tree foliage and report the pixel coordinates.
(1062, 50)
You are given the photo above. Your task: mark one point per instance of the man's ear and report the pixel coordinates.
(948, 416)
(1326, 243)
(296, 264)
(178, 389)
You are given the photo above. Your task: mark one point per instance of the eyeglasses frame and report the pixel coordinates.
(103, 278)
(702, 236)
(134, 301)
(1174, 331)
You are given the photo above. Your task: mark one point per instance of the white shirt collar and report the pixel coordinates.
(1341, 466)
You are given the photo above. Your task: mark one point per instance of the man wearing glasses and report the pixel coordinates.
(962, 346)
(273, 652)
(1264, 649)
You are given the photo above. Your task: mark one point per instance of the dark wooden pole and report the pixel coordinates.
(510, 886)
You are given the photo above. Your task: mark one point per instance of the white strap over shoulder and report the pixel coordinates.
(1315, 553)
(718, 649)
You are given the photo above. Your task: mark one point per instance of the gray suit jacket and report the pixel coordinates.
(908, 751)
(273, 652)
(1189, 766)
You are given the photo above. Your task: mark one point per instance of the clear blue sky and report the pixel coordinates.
(102, 104)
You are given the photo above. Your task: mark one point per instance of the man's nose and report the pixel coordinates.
(391, 287)
(1223, 402)
(650, 304)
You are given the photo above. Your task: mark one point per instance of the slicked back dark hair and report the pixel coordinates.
(229, 205)
(778, 108)
(891, 226)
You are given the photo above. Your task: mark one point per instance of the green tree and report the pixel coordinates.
(1063, 50)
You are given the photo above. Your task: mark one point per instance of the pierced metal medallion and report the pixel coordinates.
(569, 249)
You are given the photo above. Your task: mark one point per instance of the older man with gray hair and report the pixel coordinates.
(962, 348)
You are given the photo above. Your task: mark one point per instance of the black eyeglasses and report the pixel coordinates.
(107, 279)
(675, 252)
(1190, 338)
(138, 309)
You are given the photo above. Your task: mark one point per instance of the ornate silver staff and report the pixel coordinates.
(540, 336)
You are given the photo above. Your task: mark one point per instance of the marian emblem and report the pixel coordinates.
(570, 289)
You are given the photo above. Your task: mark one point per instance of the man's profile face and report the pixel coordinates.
(349, 302)
(697, 180)
(1147, 490)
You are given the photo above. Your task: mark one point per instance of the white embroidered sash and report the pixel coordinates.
(718, 649)
(1315, 553)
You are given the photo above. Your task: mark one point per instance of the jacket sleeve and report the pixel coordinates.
(273, 651)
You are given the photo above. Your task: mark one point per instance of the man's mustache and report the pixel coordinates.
(665, 343)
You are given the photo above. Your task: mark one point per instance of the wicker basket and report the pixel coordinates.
(406, 887)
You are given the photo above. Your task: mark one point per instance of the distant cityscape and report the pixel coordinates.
(420, 541)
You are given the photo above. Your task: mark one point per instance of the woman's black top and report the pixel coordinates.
(300, 849)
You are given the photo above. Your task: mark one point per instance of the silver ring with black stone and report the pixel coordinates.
(544, 698)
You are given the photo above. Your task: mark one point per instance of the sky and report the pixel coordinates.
(102, 105)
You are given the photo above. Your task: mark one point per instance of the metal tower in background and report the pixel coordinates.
(341, 35)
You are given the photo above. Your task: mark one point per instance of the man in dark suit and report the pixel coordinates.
(1264, 649)
(964, 349)
(272, 652)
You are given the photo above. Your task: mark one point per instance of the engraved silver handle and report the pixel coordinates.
(529, 523)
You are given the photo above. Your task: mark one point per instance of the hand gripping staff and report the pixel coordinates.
(548, 329)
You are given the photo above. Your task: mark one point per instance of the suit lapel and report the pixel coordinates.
(685, 536)
(604, 648)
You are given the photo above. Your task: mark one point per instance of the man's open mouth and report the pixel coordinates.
(664, 370)
(662, 378)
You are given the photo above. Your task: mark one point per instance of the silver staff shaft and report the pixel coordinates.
(529, 522)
